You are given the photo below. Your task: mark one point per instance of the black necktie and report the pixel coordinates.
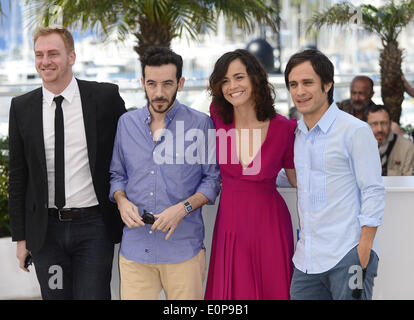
(59, 155)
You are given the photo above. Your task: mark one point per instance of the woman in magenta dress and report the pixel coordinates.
(253, 239)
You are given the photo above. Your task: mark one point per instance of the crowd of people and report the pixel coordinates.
(85, 174)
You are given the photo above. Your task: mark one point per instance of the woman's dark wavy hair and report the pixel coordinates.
(263, 91)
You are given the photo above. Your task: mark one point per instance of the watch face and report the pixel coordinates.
(188, 206)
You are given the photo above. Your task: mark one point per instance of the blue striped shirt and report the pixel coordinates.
(340, 188)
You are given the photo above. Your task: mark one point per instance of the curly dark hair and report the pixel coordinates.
(263, 90)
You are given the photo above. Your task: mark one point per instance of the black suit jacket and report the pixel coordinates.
(28, 191)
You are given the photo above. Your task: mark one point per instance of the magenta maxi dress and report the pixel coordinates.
(252, 245)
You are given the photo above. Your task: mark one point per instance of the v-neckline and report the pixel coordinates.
(258, 151)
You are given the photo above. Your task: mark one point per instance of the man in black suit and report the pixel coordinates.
(60, 142)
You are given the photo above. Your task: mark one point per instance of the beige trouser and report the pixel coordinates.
(180, 281)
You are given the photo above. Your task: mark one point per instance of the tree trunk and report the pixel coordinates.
(392, 90)
(151, 35)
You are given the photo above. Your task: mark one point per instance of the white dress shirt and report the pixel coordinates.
(79, 188)
(340, 188)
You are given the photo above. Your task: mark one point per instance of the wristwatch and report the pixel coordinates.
(187, 206)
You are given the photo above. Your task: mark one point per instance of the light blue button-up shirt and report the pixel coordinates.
(157, 176)
(340, 188)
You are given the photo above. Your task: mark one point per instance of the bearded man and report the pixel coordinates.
(362, 90)
(162, 250)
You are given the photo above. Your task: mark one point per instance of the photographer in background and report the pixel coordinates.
(397, 152)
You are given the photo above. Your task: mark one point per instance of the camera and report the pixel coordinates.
(28, 261)
(147, 217)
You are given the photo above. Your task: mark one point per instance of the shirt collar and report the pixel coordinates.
(328, 118)
(146, 116)
(301, 126)
(68, 93)
(324, 122)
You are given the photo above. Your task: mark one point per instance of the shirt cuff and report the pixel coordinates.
(209, 192)
(115, 187)
(369, 222)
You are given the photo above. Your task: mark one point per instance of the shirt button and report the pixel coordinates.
(150, 232)
(152, 172)
(151, 193)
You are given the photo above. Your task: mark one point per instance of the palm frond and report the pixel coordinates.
(153, 21)
(386, 21)
(339, 14)
(246, 13)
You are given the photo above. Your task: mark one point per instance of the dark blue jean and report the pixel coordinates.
(76, 260)
(337, 283)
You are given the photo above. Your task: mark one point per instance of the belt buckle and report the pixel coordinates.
(60, 216)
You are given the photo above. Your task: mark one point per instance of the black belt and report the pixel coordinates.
(69, 214)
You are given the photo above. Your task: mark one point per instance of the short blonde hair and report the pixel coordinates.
(63, 32)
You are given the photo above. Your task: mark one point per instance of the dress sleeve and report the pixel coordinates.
(290, 141)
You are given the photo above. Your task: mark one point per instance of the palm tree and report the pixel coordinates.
(153, 22)
(386, 22)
